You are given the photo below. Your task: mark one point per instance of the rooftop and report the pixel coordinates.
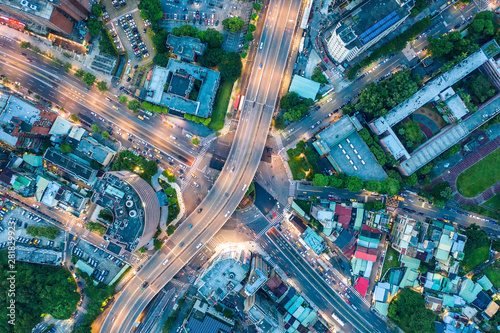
(61, 126)
(202, 107)
(305, 88)
(134, 204)
(71, 164)
(186, 47)
(429, 92)
(224, 274)
(42, 9)
(96, 151)
(313, 240)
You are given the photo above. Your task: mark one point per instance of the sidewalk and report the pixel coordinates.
(45, 45)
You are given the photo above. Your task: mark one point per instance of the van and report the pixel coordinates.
(362, 162)
(244, 187)
(350, 161)
(350, 145)
(359, 157)
(355, 167)
(347, 156)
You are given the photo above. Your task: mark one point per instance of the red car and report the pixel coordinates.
(325, 59)
(28, 59)
(206, 22)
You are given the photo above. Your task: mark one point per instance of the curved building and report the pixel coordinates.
(134, 204)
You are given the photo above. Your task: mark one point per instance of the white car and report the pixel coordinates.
(165, 262)
(261, 45)
(173, 137)
(227, 214)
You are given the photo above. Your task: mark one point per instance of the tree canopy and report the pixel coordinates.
(134, 105)
(230, 67)
(66, 148)
(39, 289)
(295, 107)
(409, 312)
(233, 24)
(88, 79)
(318, 76)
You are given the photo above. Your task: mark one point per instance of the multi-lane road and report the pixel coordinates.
(240, 168)
(64, 90)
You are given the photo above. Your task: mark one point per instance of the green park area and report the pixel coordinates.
(493, 203)
(391, 260)
(480, 176)
(220, 108)
(476, 249)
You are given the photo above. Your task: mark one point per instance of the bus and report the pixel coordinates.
(338, 320)
(242, 100)
(237, 102)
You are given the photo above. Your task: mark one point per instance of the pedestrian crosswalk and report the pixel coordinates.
(197, 161)
(275, 220)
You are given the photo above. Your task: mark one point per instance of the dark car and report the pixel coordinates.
(199, 210)
(22, 53)
(128, 79)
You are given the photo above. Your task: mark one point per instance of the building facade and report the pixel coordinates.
(365, 26)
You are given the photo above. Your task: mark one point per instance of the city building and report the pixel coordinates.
(405, 236)
(364, 26)
(263, 312)
(342, 146)
(57, 195)
(305, 88)
(311, 240)
(460, 122)
(366, 252)
(205, 319)
(258, 275)
(23, 125)
(185, 47)
(69, 166)
(183, 88)
(96, 151)
(57, 15)
(224, 274)
(134, 204)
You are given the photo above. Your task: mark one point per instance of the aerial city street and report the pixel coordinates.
(220, 166)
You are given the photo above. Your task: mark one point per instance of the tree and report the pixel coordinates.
(101, 85)
(481, 88)
(67, 67)
(230, 67)
(212, 37)
(74, 118)
(249, 37)
(195, 141)
(151, 10)
(254, 16)
(123, 99)
(49, 232)
(66, 148)
(409, 312)
(105, 135)
(233, 24)
(96, 129)
(79, 73)
(24, 45)
(88, 79)
(390, 186)
(279, 123)
(94, 26)
(411, 180)
(161, 59)
(147, 106)
(320, 181)
(212, 57)
(318, 76)
(134, 105)
(257, 7)
(246, 46)
(170, 230)
(373, 186)
(251, 27)
(106, 44)
(243, 55)
(97, 10)
(354, 184)
(157, 244)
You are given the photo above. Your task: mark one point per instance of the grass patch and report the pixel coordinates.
(493, 203)
(492, 272)
(480, 176)
(220, 108)
(474, 258)
(483, 211)
(391, 260)
(305, 205)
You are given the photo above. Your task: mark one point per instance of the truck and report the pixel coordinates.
(242, 100)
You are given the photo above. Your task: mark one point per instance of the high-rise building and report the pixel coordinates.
(258, 275)
(224, 274)
(366, 25)
(263, 312)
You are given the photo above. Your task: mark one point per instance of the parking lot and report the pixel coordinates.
(100, 265)
(208, 14)
(131, 31)
(34, 249)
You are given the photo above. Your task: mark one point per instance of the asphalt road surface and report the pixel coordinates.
(67, 91)
(234, 179)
